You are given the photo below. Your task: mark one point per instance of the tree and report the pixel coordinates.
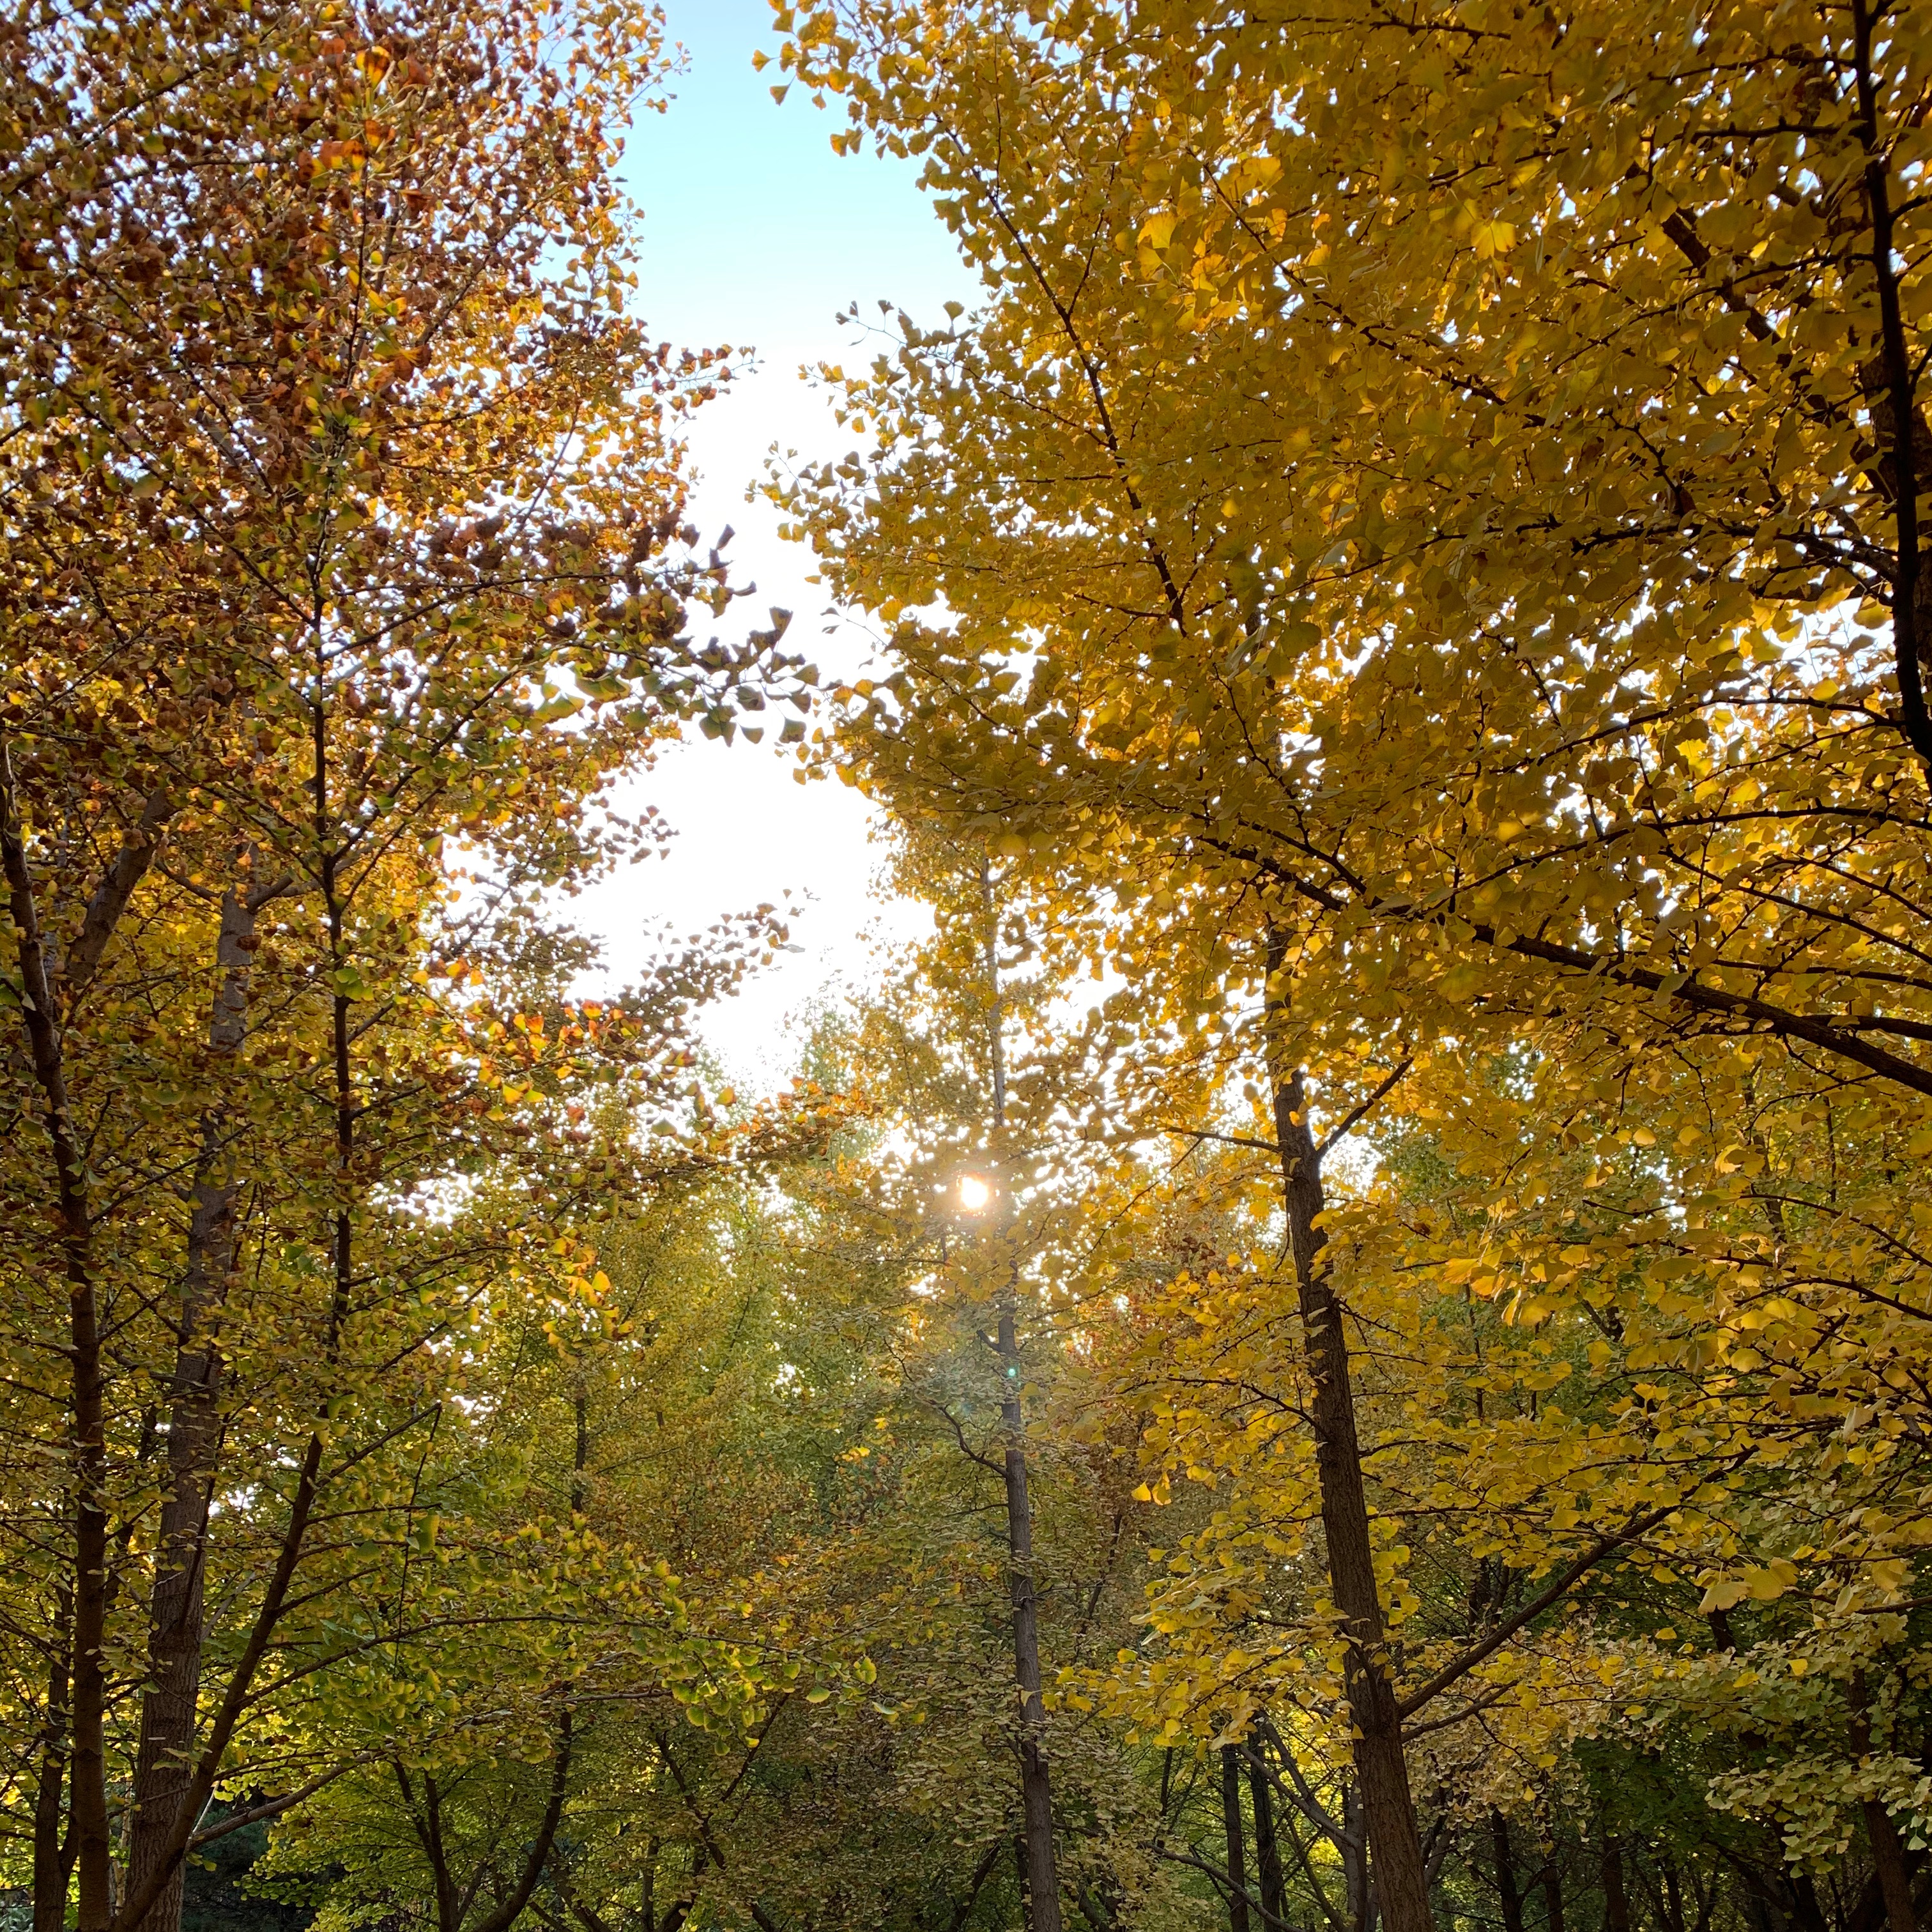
(1517, 679)
(338, 525)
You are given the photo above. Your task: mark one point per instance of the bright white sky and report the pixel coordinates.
(756, 234)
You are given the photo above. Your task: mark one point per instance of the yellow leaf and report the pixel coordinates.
(1157, 230)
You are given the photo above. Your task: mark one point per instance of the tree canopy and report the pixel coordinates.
(1344, 1343)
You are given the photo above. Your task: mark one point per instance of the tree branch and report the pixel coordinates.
(111, 896)
(1896, 361)
(511, 1908)
(1565, 1582)
(272, 1808)
(1682, 988)
(1226, 1885)
(1357, 1114)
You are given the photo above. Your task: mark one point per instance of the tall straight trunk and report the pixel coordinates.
(1354, 1848)
(164, 1760)
(1806, 1907)
(1552, 1894)
(996, 1044)
(1041, 1889)
(1616, 1900)
(1398, 1872)
(87, 1764)
(1231, 1832)
(1508, 1895)
(164, 1859)
(1036, 1788)
(1888, 1848)
(1267, 1849)
(1673, 1896)
(53, 1863)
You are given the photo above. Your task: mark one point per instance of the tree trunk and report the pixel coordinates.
(426, 1820)
(1040, 1889)
(1355, 1851)
(87, 1765)
(164, 1763)
(1230, 1829)
(1035, 1790)
(53, 1863)
(1894, 1882)
(1552, 1894)
(1616, 1900)
(1508, 1895)
(1267, 1848)
(1888, 1849)
(1398, 1873)
(1806, 1907)
(1673, 1896)
(509, 1907)
(166, 1859)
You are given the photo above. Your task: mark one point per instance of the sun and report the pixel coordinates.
(974, 1193)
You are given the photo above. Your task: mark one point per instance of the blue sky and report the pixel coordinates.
(756, 234)
(754, 229)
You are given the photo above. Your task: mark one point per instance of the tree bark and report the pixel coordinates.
(1552, 1894)
(1616, 1900)
(1230, 1829)
(52, 1863)
(140, 1898)
(1806, 1908)
(1399, 1873)
(1508, 1895)
(508, 1909)
(164, 1761)
(1267, 1849)
(982, 1871)
(1036, 1787)
(1041, 1891)
(1898, 419)
(87, 1765)
(111, 896)
(1355, 1850)
(1673, 1895)
(427, 1822)
(706, 1847)
(1888, 1849)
